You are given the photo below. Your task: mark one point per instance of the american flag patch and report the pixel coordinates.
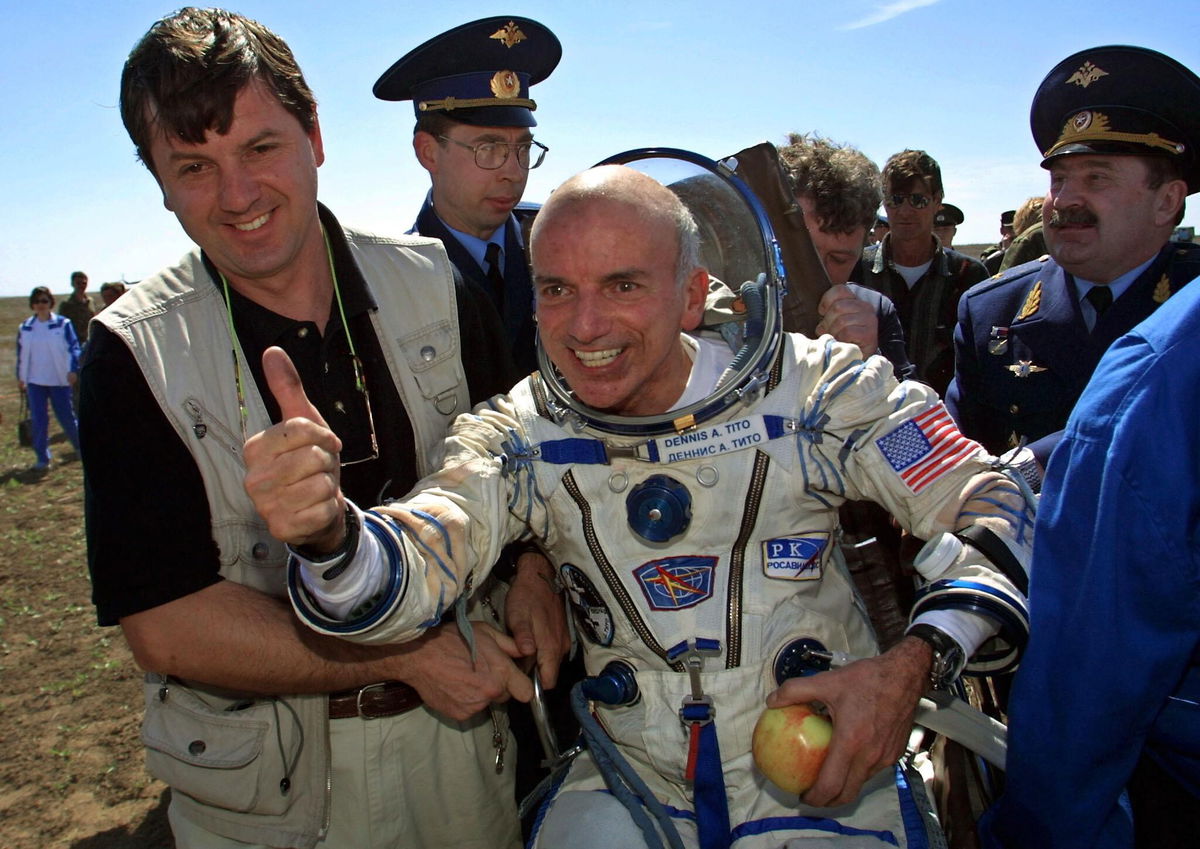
(925, 447)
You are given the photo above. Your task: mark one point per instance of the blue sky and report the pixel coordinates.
(954, 77)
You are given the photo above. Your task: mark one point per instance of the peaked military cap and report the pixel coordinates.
(948, 215)
(1007, 217)
(1120, 100)
(478, 73)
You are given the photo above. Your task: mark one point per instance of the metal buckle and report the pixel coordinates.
(358, 703)
(693, 653)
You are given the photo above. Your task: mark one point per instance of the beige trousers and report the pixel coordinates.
(416, 780)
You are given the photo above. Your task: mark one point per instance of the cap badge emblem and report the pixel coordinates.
(1086, 75)
(1033, 302)
(506, 84)
(510, 35)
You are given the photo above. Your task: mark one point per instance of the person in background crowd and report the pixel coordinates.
(839, 190)
(945, 223)
(79, 307)
(47, 368)
(878, 230)
(1030, 243)
(994, 255)
(923, 279)
(1118, 128)
(470, 92)
(109, 292)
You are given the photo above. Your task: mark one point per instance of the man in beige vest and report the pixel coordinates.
(270, 736)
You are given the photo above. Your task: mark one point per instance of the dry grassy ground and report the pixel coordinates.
(71, 771)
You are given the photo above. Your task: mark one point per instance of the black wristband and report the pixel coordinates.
(338, 558)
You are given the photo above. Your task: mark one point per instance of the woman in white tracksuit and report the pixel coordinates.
(47, 367)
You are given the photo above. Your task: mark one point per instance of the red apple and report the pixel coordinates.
(789, 745)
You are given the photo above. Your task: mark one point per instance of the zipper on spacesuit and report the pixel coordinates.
(610, 576)
(737, 556)
(737, 561)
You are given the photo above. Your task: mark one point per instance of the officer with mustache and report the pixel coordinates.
(1118, 129)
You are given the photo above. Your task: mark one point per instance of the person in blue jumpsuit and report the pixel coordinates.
(1118, 128)
(1108, 694)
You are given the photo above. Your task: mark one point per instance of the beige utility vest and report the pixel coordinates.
(175, 325)
(177, 329)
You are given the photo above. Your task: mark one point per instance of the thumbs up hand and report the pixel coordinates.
(292, 468)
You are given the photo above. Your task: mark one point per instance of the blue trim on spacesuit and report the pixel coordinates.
(914, 822)
(801, 823)
(393, 594)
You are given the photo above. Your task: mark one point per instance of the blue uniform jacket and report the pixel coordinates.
(1023, 353)
(516, 312)
(1112, 670)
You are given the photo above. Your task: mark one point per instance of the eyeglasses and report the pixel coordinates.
(916, 200)
(37, 301)
(492, 155)
(360, 385)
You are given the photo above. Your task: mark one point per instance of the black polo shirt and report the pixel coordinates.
(148, 521)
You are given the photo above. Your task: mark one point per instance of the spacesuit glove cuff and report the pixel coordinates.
(970, 630)
(355, 573)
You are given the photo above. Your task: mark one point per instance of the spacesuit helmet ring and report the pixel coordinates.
(738, 247)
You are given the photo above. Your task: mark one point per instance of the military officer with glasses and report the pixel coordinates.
(922, 277)
(470, 92)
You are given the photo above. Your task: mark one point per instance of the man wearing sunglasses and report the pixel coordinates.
(922, 277)
(470, 92)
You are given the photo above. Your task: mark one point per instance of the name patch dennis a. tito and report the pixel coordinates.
(795, 558)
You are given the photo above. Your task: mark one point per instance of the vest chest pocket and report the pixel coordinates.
(238, 758)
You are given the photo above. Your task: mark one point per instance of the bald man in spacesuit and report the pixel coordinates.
(684, 522)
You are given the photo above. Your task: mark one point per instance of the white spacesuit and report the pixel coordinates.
(707, 533)
(753, 568)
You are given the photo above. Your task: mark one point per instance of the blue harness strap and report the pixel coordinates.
(708, 785)
(704, 753)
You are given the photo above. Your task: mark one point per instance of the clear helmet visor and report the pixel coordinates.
(739, 249)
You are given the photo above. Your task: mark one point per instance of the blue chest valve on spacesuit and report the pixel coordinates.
(616, 685)
(659, 508)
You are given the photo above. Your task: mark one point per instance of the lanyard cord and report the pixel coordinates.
(359, 383)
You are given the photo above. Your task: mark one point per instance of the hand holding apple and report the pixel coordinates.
(789, 745)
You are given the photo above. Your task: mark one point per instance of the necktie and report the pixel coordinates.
(494, 275)
(1101, 298)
